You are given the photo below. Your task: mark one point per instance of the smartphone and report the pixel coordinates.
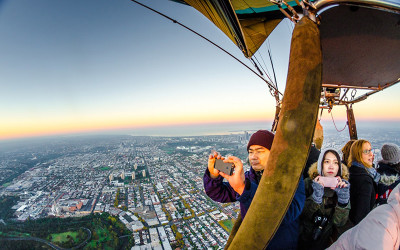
(226, 168)
(329, 181)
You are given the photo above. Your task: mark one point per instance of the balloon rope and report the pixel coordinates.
(335, 124)
(208, 40)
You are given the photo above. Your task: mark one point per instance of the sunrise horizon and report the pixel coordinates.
(129, 128)
(93, 75)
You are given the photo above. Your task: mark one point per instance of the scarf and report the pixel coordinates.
(371, 171)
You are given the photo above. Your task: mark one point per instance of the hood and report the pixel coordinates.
(313, 171)
(321, 157)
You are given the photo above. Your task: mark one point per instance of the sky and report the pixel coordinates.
(99, 65)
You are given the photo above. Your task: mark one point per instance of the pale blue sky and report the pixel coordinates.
(74, 65)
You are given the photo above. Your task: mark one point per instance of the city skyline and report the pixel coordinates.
(142, 182)
(96, 66)
(147, 184)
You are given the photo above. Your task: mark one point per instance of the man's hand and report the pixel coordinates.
(214, 173)
(236, 180)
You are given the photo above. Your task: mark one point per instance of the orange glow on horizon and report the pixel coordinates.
(51, 127)
(62, 126)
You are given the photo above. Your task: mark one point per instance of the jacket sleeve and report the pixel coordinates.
(297, 205)
(218, 190)
(341, 215)
(362, 198)
(379, 230)
(310, 206)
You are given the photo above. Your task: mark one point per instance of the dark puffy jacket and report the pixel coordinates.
(389, 179)
(287, 234)
(362, 193)
(329, 208)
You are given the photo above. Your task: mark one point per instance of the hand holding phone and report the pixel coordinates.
(226, 168)
(330, 182)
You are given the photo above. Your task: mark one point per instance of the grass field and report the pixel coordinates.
(102, 233)
(227, 225)
(62, 237)
(14, 234)
(6, 184)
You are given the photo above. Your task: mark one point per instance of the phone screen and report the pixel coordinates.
(329, 181)
(226, 168)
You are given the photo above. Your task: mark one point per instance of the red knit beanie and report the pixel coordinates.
(261, 137)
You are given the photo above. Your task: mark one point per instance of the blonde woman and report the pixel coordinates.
(363, 180)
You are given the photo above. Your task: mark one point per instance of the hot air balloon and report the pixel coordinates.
(337, 47)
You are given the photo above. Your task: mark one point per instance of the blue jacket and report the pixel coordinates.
(287, 234)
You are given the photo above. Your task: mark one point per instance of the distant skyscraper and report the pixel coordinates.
(144, 173)
(135, 166)
(133, 175)
(246, 135)
(123, 175)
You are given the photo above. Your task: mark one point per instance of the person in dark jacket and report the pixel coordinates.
(311, 159)
(326, 208)
(315, 148)
(242, 186)
(389, 169)
(363, 180)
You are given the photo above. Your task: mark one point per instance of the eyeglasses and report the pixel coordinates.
(367, 151)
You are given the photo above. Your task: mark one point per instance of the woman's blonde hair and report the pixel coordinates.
(356, 152)
(346, 150)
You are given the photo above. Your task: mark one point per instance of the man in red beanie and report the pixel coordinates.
(242, 186)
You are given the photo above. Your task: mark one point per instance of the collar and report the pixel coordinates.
(255, 175)
(357, 164)
(371, 171)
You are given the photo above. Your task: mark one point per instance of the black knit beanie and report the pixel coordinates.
(261, 137)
